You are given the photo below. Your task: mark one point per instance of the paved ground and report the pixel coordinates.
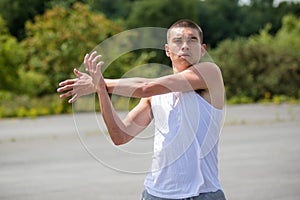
(46, 158)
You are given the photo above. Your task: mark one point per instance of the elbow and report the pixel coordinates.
(119, 138)
(118, 142)
(145, 90)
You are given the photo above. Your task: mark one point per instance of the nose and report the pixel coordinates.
(185, 46)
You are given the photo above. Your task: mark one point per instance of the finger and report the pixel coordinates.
(99, 65)
(66, 82)
(85, 61)
(92, 56)
(89, 62)
(73, 99)
(66, 87)
(78, 73)
(94, 61)
(67, 94)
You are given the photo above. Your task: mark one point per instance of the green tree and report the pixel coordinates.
(11, 57)
(17, 12)
(161, 13)
(263, 64)
(220, 20)
(65, 3)
(287, 37)
(57, 41)
(116, 9)
(229, 19)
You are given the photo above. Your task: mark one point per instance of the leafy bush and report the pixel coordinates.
(263, 63)
(57, 41)
(13, 105)
(11, 57)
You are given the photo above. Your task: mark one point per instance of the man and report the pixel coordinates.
(186, 107)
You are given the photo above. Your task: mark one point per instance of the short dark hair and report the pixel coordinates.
(188, 24)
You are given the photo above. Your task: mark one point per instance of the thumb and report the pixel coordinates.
(77, 73)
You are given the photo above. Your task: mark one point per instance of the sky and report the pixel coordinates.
(276, 2)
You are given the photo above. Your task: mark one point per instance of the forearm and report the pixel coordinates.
(145, 87)
(131, 87)
(115, 126)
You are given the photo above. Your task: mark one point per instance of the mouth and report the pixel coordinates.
(184, 55)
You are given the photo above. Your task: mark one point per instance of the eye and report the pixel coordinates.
(194, 39)
(177, 40)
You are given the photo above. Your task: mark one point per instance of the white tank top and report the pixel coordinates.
(186, 138)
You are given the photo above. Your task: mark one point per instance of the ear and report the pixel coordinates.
(167, 50)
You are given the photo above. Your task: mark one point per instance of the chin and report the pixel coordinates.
(181, 64)
(186, 64)
(181, 68)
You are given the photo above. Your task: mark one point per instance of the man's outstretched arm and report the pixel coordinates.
(201, 76)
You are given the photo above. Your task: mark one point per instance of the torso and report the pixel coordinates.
(175, 135)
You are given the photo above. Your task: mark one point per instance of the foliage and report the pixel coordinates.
(218, 19)
(257, 67)
(66, 3)
(160, 13)
(15, 105)
(11, 56)
(57, 41)
(262, 64)
(229, 19)
(288, 36)
(17, 12)
(116, 9)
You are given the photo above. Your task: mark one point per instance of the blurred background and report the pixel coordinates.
(255, 42)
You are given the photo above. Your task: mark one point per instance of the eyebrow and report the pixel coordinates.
(190, 37)
(194, 37)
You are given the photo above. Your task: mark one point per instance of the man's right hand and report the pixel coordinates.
(80, 86)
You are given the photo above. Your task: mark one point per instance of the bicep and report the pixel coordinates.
(190, 79)
(202, 76)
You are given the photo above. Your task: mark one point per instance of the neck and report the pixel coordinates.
(180, 68)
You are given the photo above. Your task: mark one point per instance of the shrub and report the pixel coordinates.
(262, 64)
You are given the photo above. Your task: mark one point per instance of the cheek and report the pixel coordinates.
(172, 56)
(174, 49)
(197, 50)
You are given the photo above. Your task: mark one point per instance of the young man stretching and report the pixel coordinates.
(186, 106)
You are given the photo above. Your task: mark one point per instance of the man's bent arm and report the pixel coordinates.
(123, 131)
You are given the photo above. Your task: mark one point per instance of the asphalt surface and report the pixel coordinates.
(67, 157)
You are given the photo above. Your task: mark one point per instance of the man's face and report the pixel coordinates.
(184, 47)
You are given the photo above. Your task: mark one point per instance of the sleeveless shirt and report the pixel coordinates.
(184, 162)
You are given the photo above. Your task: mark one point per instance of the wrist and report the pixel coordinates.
(100, 87)
(110, 84)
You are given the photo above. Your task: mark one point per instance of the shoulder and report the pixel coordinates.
(208, 71)
(206, 67)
